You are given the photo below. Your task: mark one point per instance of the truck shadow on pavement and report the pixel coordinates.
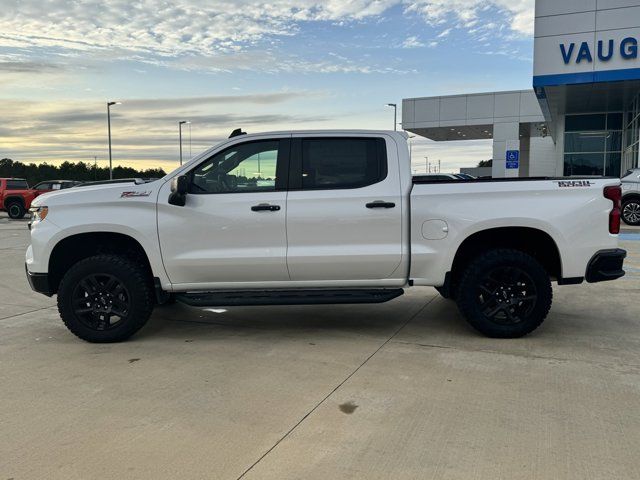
(363, 320)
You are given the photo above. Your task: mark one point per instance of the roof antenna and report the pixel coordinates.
(237, 132)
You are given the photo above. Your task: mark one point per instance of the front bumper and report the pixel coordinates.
(606, 265)
(39, 282)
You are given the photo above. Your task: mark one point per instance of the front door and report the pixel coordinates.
(232, 227)
(344, 209)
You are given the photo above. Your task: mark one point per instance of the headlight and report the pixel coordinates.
(38, 213)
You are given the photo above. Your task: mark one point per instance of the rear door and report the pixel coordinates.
(344, 210)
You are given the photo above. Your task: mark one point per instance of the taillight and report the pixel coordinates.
(615, 195)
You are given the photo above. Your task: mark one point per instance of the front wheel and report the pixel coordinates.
(505, 294)
(631, 212)
(105, 298)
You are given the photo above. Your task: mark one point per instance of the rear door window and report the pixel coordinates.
(339, 163)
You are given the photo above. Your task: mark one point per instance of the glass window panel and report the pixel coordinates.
(614, 121)
(585, 123)
(247, 167)
(329, 163)
(613, 164)
(584, 142)
(614, 141)
(588, 164)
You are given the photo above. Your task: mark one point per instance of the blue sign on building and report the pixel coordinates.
(513, 159)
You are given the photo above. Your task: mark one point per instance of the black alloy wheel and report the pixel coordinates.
(506, 295)
(101, 301)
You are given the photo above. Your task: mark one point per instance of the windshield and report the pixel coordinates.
(632, 175)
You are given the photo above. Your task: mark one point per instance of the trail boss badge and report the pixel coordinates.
(134, 194)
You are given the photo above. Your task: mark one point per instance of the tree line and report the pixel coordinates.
(80, 171)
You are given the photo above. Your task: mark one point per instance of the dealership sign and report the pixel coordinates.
(627, 49)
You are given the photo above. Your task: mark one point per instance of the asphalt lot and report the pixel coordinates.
(403, 390)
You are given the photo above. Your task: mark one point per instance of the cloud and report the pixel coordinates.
(412, 42)
(28, 67)
(214, 29)
(144, 130)
(520, 13)
(201, 27)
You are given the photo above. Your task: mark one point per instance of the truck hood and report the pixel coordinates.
(99, 194)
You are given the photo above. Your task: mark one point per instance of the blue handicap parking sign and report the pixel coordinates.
(513, 159)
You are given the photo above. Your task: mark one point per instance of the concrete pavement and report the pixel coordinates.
(403, 390)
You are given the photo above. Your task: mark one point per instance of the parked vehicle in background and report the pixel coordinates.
(631, 197)
(318, 217)
(16, 197)
(438, 177)
(465, 176)
(53, 185)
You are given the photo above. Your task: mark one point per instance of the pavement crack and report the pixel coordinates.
(346, 379)
(516, 354)
(26, 313)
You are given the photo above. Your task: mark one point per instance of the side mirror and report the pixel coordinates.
(179, 188)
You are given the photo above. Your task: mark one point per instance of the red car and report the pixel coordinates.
(16, 196)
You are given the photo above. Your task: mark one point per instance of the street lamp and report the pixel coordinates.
(180, 123)
(395, 115)
(109, 104)
(411, 146)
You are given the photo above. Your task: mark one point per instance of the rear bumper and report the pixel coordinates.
(39, 282)
(606, 265)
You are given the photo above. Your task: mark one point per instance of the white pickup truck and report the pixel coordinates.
(318, 217)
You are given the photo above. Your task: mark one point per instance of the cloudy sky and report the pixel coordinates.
(282, 64)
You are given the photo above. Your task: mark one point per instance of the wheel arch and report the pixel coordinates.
(532, 241)
(70, 250)
(13, 198)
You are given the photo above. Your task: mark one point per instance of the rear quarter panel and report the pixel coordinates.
(576, 218)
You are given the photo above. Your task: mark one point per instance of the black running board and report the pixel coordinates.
(286, 297)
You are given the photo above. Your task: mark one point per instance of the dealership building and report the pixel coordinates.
(582, 116)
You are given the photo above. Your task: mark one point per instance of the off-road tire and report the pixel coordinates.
(15, 210)
(135, 280)
(473, 285)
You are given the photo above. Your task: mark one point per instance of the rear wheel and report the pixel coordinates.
(505, 294)
(15, 210)
(105, 298)
(631, 211)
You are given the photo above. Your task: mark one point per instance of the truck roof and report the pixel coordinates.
(327, 132)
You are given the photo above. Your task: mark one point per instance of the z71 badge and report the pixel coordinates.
(574, 183)
(134, 194)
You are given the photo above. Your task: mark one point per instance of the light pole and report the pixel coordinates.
(180, 123)
(395, 115)
(109, 104)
